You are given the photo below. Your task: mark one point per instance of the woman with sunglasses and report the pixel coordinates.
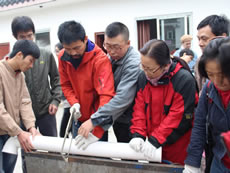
(212, 116)
(164, 105)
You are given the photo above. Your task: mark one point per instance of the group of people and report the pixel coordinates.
(150, 98)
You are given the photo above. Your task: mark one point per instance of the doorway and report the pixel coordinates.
(4, 49)
(99, 40)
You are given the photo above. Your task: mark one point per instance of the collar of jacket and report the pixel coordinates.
(173, 69)
(11, 70)
(122, 60)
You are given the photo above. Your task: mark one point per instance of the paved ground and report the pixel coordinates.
(18, 168)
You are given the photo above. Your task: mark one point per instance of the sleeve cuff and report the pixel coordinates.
(15, 131)
(98, 132)
(55, 102)
(137, 135)
(154, 141)
(104, 122)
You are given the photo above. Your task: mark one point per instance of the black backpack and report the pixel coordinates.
(185, 66)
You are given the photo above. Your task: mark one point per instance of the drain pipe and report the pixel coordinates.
(97, 149)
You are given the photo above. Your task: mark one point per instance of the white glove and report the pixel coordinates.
(83, 142)
(149, 150)
(191, 169)
(75, 111)
(136, 144)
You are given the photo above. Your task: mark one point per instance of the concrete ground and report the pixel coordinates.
(18, 167)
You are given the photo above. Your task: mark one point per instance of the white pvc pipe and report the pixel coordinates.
(98, 149)
(11, 146)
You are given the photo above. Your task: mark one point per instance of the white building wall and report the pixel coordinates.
(95, 15)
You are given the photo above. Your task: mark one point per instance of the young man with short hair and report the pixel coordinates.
(42, 80)
(15, 102)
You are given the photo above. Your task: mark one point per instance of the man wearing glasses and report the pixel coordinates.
(125, 64)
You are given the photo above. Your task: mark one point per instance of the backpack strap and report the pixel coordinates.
(185, 66)
(209, 101)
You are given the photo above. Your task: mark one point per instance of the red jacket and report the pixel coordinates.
(91, 84)
(164, 113)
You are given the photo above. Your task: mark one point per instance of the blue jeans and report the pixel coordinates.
(75, 128)
(218, 167)
(7, 161)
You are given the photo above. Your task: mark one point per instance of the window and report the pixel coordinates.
(43, 39)
(168, 28)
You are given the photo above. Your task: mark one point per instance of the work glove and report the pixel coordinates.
(191, 169)
(75, 112)
(136, 144)
(82, 142)
(149, 150)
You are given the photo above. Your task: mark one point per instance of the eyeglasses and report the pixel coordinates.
(109, 47)
(150, 70)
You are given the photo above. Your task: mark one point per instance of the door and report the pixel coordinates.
(4, 49)
(99, 40)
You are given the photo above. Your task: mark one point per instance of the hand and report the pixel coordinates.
(191, 169)
(85, 128)
(83, 142)
(24, 140)
(52, 109)
(149, 150)
(75, 111)
(137, 144)
(34, 132)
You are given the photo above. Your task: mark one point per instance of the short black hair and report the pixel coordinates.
(22, 24)
(157, 50)
(71, 31)
(187, 52)
(217, 49)
(116, 28)
(59, 46)
(218, 24)
(27, 47)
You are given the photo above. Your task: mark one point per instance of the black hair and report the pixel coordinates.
(116, 28)
(22, 24)
(157, 50)
(59, 46)
(187, 52)
(71, 31)
(218, 24)
(27, 47)
(225, 57)
(218, 49)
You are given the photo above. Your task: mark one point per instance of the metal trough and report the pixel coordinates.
(43, 162)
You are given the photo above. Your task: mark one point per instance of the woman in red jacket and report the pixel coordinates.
(164, 105)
